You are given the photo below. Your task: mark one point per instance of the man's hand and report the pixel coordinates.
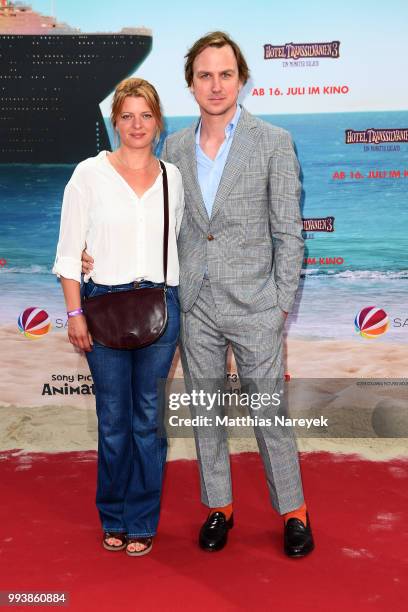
(78, 333)
(87, 262)
(285, 314)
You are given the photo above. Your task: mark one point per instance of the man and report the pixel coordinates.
(240, 250)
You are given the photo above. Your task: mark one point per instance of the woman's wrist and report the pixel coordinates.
(75, 313)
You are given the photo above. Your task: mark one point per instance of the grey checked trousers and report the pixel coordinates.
(256, 341)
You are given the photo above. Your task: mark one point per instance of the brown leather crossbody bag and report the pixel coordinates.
(135, 318)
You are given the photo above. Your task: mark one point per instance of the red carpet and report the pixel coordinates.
(51, 540)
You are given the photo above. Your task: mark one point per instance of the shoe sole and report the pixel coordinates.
(212, 550)
(299, 555)
(114, 548)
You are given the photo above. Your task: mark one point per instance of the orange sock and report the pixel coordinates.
(299, 513)
(227, 510)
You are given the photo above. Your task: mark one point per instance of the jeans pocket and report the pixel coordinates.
(173, 291)
(91, 290)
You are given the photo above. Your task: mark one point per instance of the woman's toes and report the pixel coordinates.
(136, 547)
(114, 542)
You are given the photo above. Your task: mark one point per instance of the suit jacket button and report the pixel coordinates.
(210, 237)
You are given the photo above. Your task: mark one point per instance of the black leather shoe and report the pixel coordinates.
(214, 532)
(298, 538)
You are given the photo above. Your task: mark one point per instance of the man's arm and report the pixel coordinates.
(286, 221)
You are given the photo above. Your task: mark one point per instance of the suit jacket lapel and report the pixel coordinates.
(244, 140)
(189, 173)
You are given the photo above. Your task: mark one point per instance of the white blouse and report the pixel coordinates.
(122, 232)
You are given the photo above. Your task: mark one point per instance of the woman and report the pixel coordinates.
(113, 205)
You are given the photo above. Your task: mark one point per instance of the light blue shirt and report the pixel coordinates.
(209, 172)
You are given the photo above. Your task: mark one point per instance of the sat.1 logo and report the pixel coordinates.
(371, 322)
(34, 323)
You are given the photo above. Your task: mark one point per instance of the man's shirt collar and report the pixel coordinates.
(229, 128)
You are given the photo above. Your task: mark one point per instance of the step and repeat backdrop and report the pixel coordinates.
(334, 77)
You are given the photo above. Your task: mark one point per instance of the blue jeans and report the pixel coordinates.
(131, 456)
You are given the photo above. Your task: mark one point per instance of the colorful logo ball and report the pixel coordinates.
(371, 322)
(34, 322)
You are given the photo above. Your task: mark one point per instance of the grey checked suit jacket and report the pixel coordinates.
(255, 256)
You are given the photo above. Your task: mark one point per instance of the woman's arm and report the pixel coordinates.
(78, 333)
(73, 231)
(74, 222)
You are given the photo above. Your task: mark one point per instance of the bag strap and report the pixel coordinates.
(166, 221)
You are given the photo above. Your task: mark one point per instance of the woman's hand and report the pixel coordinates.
(78, 333)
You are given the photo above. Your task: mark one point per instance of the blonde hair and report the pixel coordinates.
(218, 40)
(138, 88)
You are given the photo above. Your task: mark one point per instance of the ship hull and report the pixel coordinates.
(51, 88)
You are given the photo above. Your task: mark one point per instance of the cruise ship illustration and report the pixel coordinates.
(52, 80)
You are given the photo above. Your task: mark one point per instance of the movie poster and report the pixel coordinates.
(336, 85)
